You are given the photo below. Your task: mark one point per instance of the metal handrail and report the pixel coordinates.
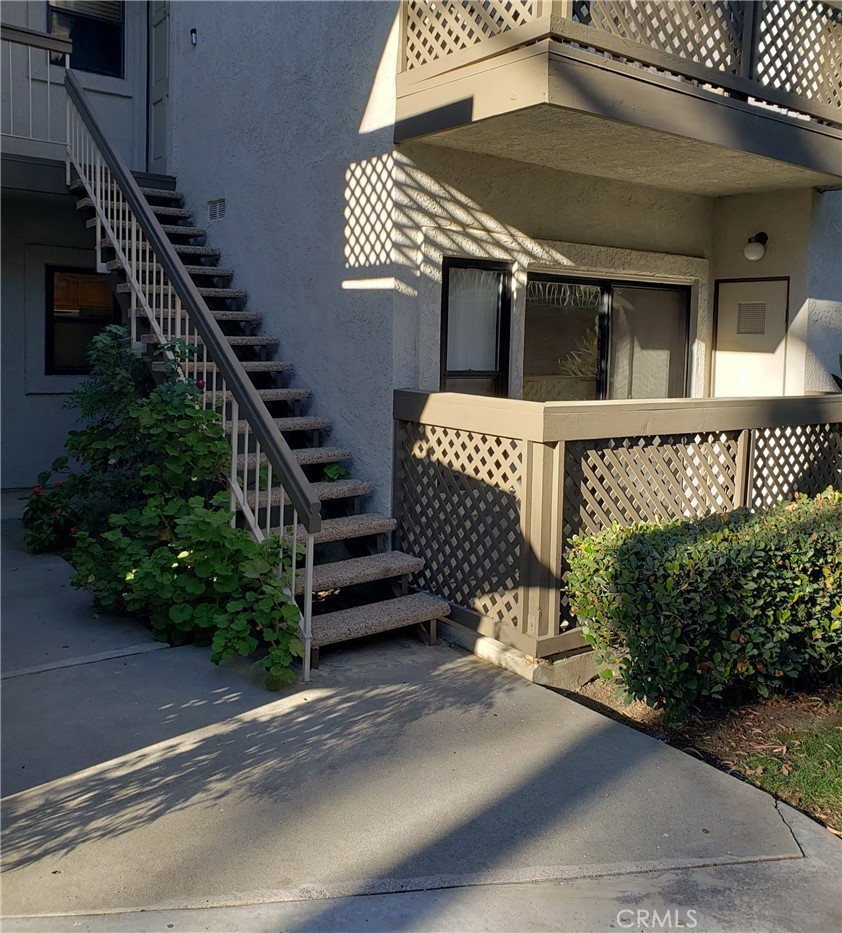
(251, 407)
(35, 39)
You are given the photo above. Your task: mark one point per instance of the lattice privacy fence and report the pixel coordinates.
(799, 49)
(484, 510)
(710, 33)
(435, 28)
(460, 507)
(798, 459)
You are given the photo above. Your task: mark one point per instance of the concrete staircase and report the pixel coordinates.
(360, 583)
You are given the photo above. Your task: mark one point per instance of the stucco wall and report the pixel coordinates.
(37, 229)
(824, 333)
(288, 113)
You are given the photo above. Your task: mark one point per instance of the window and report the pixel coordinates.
(587, 339)
(79, 304)
(476, 311)
(96, 29)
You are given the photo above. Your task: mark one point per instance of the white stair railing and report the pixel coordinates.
(266, 482)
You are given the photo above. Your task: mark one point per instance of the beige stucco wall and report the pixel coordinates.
(786, 217)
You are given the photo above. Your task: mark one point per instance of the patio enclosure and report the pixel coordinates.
(491, 491)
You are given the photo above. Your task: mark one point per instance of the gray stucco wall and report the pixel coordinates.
(37, 229)
(266, 112)
(824, 335)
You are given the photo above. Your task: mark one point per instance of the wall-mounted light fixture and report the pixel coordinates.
(194, 37)
(756, 247)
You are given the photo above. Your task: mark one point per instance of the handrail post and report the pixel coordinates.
(307, 613)
(748, 49)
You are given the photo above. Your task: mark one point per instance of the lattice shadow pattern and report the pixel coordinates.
(799, 459)
(459, 504)
(439, 28)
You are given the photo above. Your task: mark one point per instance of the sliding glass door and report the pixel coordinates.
(588, 339)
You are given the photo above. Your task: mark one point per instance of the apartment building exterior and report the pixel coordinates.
(551, 212)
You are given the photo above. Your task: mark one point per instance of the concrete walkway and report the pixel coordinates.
(404, 788)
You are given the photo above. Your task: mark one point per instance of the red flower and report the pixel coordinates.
(73, 530)
(200, 384)
(36, 490)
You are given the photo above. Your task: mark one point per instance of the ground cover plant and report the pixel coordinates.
(144, 519)
(727, 607)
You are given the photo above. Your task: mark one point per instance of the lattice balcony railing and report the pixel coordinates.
(491, 495)
(781, 52)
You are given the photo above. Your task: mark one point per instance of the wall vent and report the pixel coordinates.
(751, 317)
(216, 209)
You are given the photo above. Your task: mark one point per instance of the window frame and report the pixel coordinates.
(500, 375)
(50, 269)
(606, 287)
(60, 58)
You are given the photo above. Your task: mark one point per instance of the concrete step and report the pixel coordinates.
(268, 395)
(336, 489)
(170, 229)
(343, 573)
(215, 272)
(188, 249)
(342, 489)
(226, 293)
(151, 194)
(220, 315)
(250, 366)
(350, 526)
(332, 627)
(305, 423)
(159, 210)
(306, 456)
(237, 340)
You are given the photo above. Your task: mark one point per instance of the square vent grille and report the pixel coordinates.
(216, 209)
(751, 317)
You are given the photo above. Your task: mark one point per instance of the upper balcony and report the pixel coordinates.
(713, 98)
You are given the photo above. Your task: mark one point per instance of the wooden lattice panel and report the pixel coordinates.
(459, 507)
(802, 458)
(709, 33)
(435, 28)
(635, 479)
(800, 49)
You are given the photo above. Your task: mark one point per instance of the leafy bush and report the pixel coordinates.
(724, 607)
(144, 520)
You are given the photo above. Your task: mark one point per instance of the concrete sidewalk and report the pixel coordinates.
(140, 781)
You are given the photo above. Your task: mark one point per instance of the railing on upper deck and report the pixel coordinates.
(490, 491)
(776, 52)
(32, 101)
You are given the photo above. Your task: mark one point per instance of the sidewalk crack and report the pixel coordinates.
(789, 827)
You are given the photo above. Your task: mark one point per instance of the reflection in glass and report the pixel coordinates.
(561, 354)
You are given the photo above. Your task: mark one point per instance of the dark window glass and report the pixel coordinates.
(96, 29)
(79, 305)
(476, 305)
(590, 339)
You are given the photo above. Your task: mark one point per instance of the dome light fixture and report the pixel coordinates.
(756, 247)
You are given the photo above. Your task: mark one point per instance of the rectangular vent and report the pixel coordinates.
(751, 317)
(216, 209)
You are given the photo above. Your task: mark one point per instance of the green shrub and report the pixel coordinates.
(724, 607)
(146, 524)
